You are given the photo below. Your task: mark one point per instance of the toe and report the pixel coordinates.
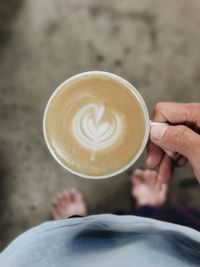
(138, 172)
(136, 181)
(75, 195)
(59, 199)
(56, 200)
(137, 176)
(63, 200)
(78, 194)
(163, 188)
(56, 213)
(72, 195)
(66, 196)
(150, 177)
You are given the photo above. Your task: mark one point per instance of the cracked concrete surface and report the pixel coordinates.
(152, 43)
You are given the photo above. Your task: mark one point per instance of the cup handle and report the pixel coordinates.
(152, 123)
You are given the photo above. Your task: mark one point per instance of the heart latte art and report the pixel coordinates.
(93, 131)
(94, 125)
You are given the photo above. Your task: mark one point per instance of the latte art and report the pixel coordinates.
(93, 131)
(94, 125)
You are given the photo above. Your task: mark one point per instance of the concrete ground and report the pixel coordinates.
(154, 44)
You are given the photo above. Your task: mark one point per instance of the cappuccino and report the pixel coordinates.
(94, 125)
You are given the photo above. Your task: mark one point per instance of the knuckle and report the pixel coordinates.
(160, 110)
(159, 106)
(185, 142)
(181, 135)
(195, 113)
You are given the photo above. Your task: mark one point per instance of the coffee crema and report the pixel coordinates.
(94, 125)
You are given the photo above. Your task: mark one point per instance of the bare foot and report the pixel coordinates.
(68, 203)
(146, 188)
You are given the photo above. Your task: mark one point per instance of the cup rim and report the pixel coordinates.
(133, 90)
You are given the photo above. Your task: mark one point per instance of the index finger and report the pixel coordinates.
(176, 113)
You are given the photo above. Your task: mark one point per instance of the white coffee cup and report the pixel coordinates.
(138, 96)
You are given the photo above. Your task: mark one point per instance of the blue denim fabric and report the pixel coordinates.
(105, 240)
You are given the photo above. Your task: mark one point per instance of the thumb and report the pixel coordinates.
(179, 139)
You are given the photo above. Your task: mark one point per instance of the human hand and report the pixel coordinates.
(175, 144)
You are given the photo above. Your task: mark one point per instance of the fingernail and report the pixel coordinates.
(149, 161)
(182, 161)
(158, 131)
(138, 172)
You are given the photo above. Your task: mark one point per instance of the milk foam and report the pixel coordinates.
(95, 132)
